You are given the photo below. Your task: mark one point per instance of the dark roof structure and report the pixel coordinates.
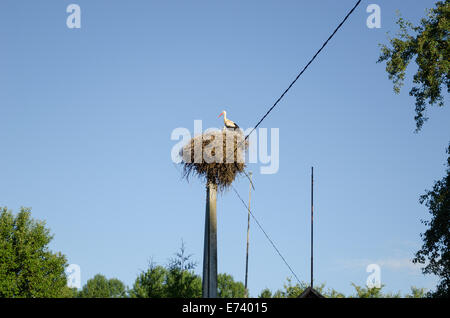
(310, 293)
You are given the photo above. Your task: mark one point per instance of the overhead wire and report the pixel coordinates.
(266, 235)
(305, 68)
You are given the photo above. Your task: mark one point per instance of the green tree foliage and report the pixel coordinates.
(291, 290)
(177, 280)
(150, 283)
(265, 293)
(373, 292)
(27, 267)
(435, 251)
(69, 293)
(228, 288)
(101, 287)
(181, 280)
(365, 292)
(416, 293)
(428, 43)
(332, 293)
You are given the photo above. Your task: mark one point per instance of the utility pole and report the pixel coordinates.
(248, 234)
(312, 220)
(209, 283)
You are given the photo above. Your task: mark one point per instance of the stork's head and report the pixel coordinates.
(224, 113)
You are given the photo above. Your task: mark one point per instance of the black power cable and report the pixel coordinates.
(267, 235)
(305, 68)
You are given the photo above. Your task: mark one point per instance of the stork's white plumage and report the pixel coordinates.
(228, 123)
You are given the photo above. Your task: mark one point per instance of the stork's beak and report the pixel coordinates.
(220, 115)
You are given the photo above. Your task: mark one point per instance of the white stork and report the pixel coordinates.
(228, 123)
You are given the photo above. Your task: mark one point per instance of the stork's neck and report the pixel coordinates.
(224, 116)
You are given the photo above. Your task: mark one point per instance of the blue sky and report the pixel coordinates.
(87, 116)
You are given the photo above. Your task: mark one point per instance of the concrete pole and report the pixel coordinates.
(209, 283)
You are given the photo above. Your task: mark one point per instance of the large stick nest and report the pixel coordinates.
(216, 156)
